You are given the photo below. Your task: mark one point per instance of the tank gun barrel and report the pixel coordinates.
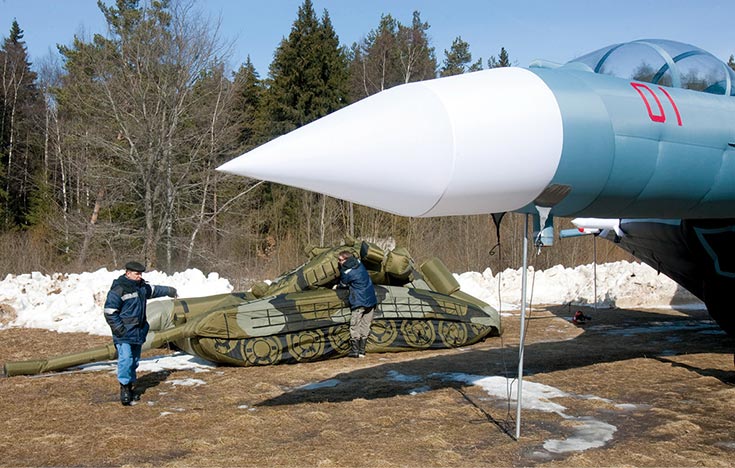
(38, 366)
(155, 339)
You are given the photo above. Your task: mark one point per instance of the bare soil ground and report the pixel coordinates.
(676, 374)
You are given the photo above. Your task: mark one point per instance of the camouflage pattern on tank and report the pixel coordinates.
(300, 317)
(314, 325)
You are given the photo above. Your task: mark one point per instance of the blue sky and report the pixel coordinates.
(557, 30)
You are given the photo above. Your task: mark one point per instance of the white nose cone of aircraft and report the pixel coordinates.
(482, 142)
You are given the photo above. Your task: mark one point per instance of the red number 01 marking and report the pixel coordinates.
(661, 115)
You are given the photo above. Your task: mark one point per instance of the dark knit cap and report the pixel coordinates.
(134, 266)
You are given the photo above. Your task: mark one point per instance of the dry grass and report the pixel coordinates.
(681, 383)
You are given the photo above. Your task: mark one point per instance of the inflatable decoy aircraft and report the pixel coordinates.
(639, 131)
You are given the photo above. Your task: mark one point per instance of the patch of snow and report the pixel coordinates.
(186, 382)
(177, 361)
(588, 433)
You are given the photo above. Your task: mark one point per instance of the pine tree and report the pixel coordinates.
(731, 62)
(457, 58)
(247, 105)
(477, 66)
(308, 75)
(308, 80)
(502, 61)
(20, 107)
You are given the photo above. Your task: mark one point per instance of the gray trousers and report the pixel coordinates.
(360, 322)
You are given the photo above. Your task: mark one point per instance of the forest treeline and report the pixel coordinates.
(108, 151)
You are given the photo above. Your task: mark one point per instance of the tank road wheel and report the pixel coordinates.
(418, 333)
(306, 345)
(383, 333)
(262, 351)
(339, 338)
(453, 334)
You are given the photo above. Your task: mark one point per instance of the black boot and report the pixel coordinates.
(354, 348)
(361, 347)
(126, 394)
(134, 391)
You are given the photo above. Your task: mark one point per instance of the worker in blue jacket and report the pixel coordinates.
(125, 314)
(354, 275)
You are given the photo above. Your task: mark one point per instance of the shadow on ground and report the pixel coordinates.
(151, 380)
(631, 335)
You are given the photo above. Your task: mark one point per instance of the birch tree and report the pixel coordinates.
(135, 91)
(389, 55)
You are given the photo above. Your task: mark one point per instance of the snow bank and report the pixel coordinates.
(619, 284)
(74, 302)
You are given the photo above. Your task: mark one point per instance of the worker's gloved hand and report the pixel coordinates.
(172, 292)
(119, 332)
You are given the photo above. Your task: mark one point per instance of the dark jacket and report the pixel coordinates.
(353, 275)
(125, 308)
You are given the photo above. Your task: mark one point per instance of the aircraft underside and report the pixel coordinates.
(696, 253)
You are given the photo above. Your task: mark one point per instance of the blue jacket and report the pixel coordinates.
(354, 275)
(125, 308)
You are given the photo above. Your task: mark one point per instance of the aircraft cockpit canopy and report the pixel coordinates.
(665, 63)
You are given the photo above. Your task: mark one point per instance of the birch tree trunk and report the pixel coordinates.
(90, 228)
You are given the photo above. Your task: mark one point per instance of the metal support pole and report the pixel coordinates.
(594, 268)
(524, 278)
